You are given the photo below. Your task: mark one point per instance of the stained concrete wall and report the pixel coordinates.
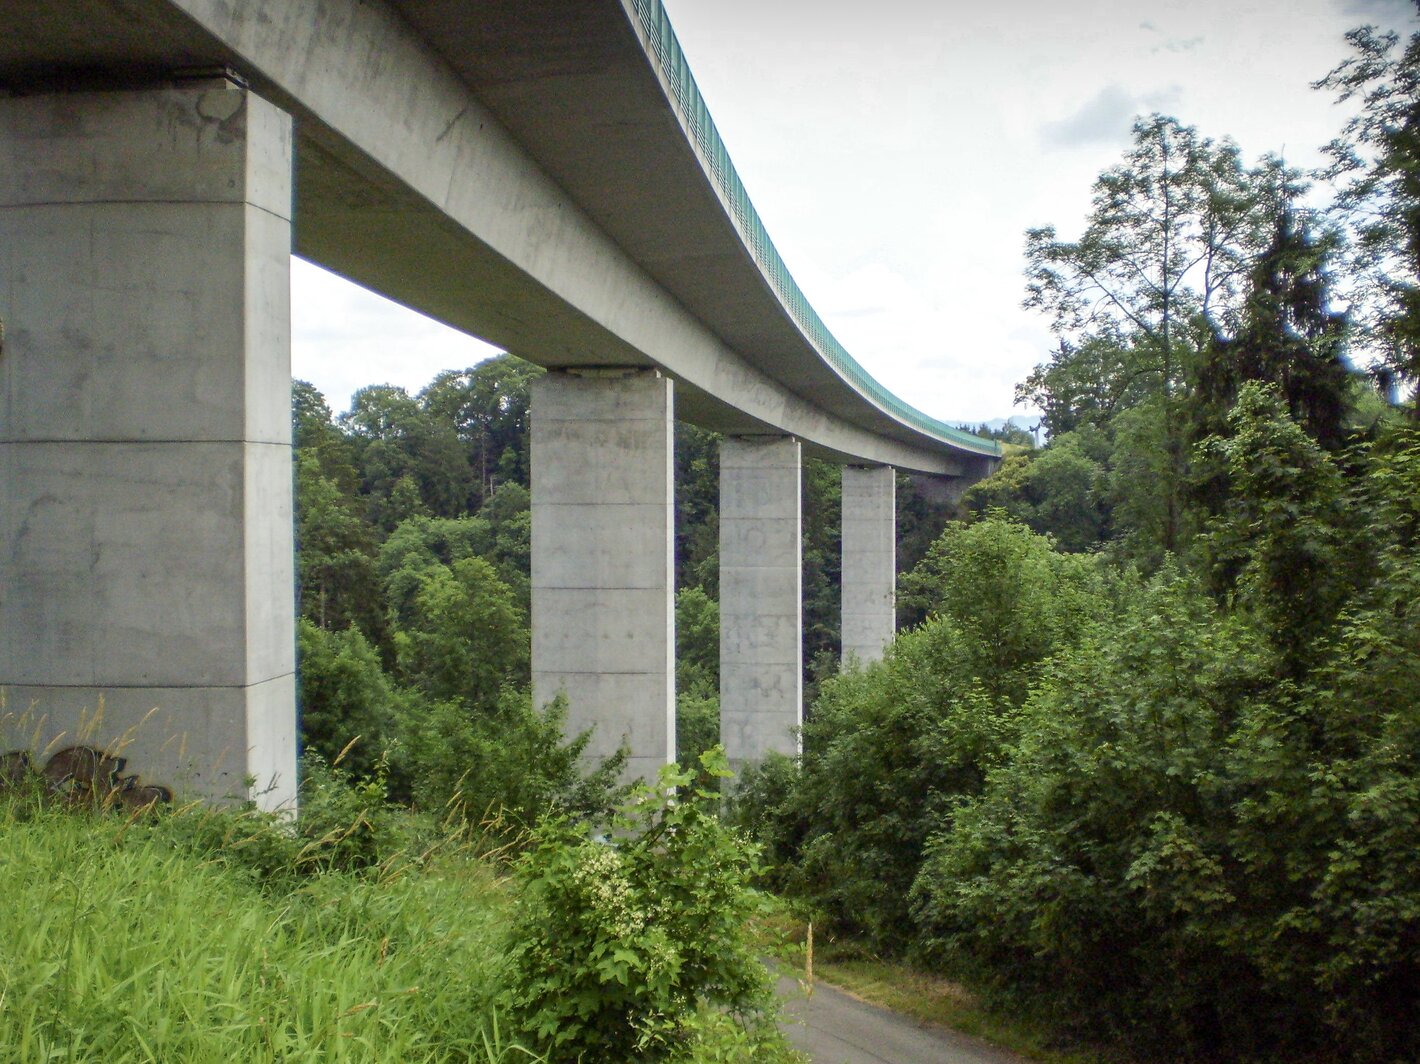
(146, 572)
(603, 573)
(869, 579)
(761, 596)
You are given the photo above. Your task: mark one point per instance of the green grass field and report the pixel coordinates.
(124, 942)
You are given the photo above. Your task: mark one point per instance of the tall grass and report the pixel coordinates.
(123, 941)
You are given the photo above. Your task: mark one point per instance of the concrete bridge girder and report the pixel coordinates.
(145, 450)
(409, 183)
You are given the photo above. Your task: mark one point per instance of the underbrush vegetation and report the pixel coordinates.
(366, 932)
(141, 941)
(634, 946)
(1177, 813)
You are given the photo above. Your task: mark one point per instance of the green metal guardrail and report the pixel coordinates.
(661, 44)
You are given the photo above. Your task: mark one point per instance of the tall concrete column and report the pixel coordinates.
(869, 561)
(761, 600)
(603, 547)
(146, 571)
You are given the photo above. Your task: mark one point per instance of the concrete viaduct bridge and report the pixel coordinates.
(540, 173)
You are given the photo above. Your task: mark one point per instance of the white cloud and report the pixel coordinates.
(1178, 45)
(1385, 12)
(1102, 119)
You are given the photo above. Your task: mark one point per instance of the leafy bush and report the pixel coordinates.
(345, 824)
(1204, 841)
(1088, 864)
(1179, 813)
(620, 942)
(344, 696)
(508, 764)
(889, 748)
(697, 726)
(765, 806)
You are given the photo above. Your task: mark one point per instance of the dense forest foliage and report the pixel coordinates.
(414, 542)
(1145, 757)
(1151, 765)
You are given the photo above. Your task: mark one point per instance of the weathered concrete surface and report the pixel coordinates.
(835, 1028)
(603, 573)
(761, 599)
(869, 582)
(484, 163)
(145, 451)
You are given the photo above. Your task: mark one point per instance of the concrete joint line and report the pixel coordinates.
(600, 588)
(603, 672)
(29, 205)
(132, 441)
(101, 687)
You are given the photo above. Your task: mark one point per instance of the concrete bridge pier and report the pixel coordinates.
(145, 443)
(869, 581)
(603, 572)
(761, 611)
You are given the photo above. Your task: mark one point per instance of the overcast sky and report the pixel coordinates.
(898, 150)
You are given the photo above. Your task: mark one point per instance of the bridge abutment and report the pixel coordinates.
(603, 572)
(146, 570)
(761, 601)
(869, 580)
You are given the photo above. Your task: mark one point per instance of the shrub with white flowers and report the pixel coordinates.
(625, 942)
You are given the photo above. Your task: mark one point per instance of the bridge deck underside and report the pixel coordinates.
(567, 94)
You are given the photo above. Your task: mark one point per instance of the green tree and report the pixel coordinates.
(697, 508)
(465, 638)
(487, 407)
(336, 578)
(507, 510)
(889, 749)
(1168, 241)
(1009, 593)
(1287, 335)
(1376, 163)
(1087, 382)
(697, 674)
(1277, 546)
(344, 696)
(313, 431)
(410, 462)
(821, 516)
(1202, 840)
(1090, 866)
(1060, 491)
